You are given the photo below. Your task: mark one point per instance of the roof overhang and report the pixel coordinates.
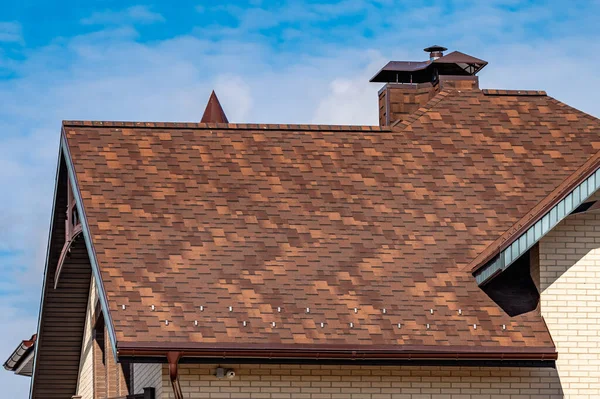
(548, 213)
(22, 357)
(455, 63)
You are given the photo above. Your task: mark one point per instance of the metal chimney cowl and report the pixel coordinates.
(435, 52)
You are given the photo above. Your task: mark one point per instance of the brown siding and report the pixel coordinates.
(63, 311)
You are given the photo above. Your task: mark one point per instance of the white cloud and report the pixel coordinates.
(233, 91)
(11, 32)
(352, 100)
(128, 16)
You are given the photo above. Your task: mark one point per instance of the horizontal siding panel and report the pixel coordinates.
(63, 311)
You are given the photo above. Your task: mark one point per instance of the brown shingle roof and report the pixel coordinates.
(330, 218)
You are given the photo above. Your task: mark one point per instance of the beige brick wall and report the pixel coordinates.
(147, 375)
(85, 382)
(337, 382)
(570, 301)
(96, 380)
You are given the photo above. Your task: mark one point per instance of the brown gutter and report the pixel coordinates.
(173, 359)
(585, 171)
(354, 352)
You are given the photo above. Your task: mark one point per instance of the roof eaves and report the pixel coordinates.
(363, 352)
(26, 362)
(20, 352)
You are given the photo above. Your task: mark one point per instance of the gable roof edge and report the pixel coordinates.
(89, 243)
(541, 210)
(46, 264)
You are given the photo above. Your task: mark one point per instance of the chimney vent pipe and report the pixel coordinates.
(435, 52)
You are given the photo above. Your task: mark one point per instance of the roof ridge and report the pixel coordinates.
(224, 126)
(429, 105)
(502, 92)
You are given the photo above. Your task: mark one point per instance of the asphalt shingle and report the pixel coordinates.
(272, 220)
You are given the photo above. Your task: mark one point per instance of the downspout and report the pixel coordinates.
(173, 358)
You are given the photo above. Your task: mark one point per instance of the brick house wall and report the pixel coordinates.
(569, 281)
(85, 382)
(373, 382)
(99, 374)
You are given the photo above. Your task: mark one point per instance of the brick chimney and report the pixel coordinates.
(411, 84)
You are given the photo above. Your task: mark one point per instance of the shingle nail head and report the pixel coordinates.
(166, 322)
(431, 311)
(278, 309)
(384, 310)
(202, 308)
(307, 310)
(195, 322)
(273, 324)
(231, 308)
(152, 307)
(123, 307)
(428, 326)
(459, 311)
(399, 325)
(474, 326)
(355, 310)
(322, 325)
(503, 326)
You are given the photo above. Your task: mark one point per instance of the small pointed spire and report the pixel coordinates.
(214, 112)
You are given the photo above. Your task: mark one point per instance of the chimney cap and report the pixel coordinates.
(455, 63)
(434, 48)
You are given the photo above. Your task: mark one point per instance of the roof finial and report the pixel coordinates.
(214, 112)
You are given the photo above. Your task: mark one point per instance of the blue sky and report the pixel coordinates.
(269, 61)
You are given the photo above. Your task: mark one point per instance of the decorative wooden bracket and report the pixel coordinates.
(72, 230)
(173, 358)
(66, 249)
